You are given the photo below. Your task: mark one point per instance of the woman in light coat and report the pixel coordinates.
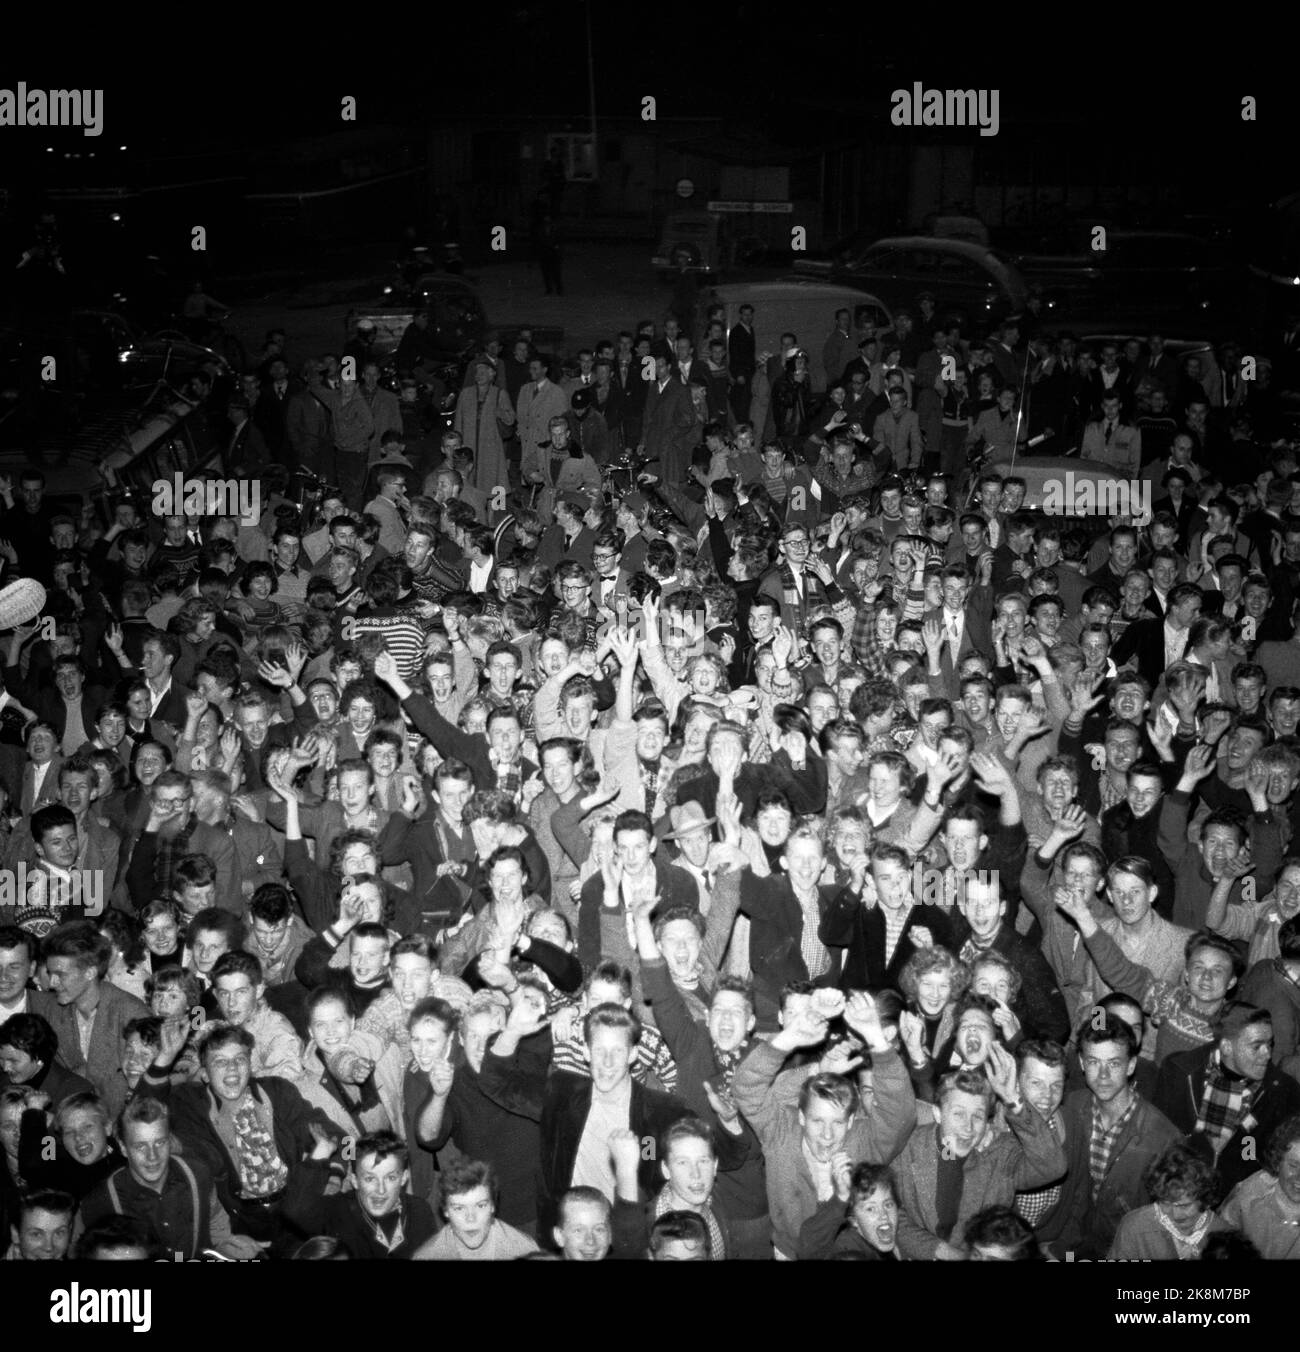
(481, 410)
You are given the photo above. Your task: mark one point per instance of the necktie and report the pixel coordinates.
(1110, 427)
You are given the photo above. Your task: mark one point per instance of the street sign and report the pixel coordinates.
(772, 208)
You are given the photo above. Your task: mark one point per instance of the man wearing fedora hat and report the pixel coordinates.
(687, 826)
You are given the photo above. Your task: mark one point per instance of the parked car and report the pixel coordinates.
(1152, 273)
(965, 278)
(803, 306)
(111, 353)
(457, 319)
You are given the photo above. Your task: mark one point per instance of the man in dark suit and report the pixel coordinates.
(669, 426)
(1047, 395)
(1228, 1095)
(1110, 379)
(1180, 502)
(273, 404)
(1157, 367)
(629, 386)
(966, 617)
(1006, 361)
(246, 450)
(742, 359)
(1149, 645)
(70, 708)
(864, 932)
(787, 915)
(575, 1112)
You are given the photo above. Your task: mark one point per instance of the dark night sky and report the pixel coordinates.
(746, 59)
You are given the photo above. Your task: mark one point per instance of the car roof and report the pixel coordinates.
(939, 242)
(796, 285)
(1172, 340)
(444, 282)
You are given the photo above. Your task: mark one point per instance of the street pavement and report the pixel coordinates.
(608, 287)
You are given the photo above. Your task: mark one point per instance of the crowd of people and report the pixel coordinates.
(684, 815)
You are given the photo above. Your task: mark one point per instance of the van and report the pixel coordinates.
(804, 306)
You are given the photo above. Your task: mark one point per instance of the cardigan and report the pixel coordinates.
(770, 1105)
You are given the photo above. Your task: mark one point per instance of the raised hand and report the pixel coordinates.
(352, 908)
(1198, 765)
(195, 705)
(861, 1015)
(911, 1032)
(113, 638)
(1071, 823)
(932, 636)
(722, 1104)
(526, 1019)
(783, 642)
(625, 1151)
(944, 770)
(1001, 1070)
(385, 667)
(1007, 1023)
(172, 1038)
(325, 1144)
(803, 1028)
(1084, 696)
(622, 643)
(650, 614)
(1033, 722)
(1238, 866)
(493, 972)
(992, 774)
(611, 870)
(1075, 907)
(842, 1175)
(1162, 738)
(564, 1023)
(839, 1060)
(230, 745)
(605, 793)
(1215, 725)
(532, 787)
(1257, 785)
(295, 655)
(274, 674)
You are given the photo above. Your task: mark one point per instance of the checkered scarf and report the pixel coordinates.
(1225, 1104)
(717, 1245)
(814, 593)
(1033, 1206)
(510, 778)
(168, 852)
(1110, 795)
